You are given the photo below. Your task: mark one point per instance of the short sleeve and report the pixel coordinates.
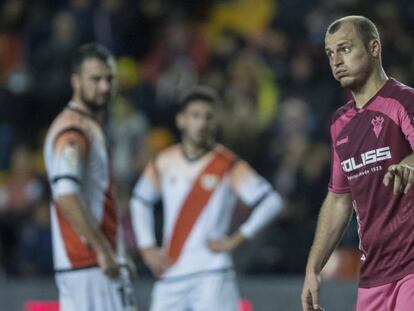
(249, 186)
(70, 152)
(338, 183)
(406, 116)
(147, 189)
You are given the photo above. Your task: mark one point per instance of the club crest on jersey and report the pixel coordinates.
(70, 159)
(208, 181)
(377, 124)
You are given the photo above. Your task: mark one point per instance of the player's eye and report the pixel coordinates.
(195, 114)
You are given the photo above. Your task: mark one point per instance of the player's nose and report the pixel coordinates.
(104, 85)
(337, 59)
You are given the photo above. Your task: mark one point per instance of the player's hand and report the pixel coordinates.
(402, 175)
(310, 292)
(156, 259)
(226, 244)
(108, 263)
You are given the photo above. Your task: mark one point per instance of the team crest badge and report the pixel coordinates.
(70, 159)
(209, 181)
(377, 124)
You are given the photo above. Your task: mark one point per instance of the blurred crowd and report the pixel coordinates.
(266, 59)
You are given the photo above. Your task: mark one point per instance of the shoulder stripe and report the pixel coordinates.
(72, 129)
(234, 162)
(342, 110)
(228, 155)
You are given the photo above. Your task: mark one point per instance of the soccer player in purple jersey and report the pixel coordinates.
(372, 173)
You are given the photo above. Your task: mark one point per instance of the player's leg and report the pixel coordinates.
(170, 295)
(372, 299)
(403, 294)
(215, 291)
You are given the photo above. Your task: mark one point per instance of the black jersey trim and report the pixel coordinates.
(70, 177)
(75, 269)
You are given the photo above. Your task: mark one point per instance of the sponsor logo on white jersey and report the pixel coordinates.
(209, 181)
(369, 157)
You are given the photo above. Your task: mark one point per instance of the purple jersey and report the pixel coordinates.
(365, 142)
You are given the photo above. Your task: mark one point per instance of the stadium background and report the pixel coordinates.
(267, 61)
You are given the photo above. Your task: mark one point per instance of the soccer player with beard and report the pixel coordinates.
(372, 173)
(198, 182)
(83, 211)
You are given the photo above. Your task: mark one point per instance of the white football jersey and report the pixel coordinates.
(93, 177)
(198, 199)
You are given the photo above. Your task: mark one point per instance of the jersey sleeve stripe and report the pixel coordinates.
(261, 198)
(70, 177)
(398, 114)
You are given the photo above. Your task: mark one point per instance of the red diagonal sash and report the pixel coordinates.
(197, 199)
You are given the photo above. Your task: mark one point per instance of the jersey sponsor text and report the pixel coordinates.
(369, 157)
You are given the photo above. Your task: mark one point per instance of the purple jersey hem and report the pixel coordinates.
(339, 191)
(362, 284)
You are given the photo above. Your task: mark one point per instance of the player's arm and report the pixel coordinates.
(71, 150)
(401, 175)
(256, 193)
(334, 216)
(145, 195)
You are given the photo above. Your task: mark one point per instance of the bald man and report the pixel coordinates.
(372, 173)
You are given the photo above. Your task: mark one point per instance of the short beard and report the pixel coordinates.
(203, 144)
(93, 106)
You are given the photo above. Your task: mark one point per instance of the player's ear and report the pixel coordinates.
(74, 81)
(375, 48)
(179, 120)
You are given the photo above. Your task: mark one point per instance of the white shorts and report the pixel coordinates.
(215, 290)
(88, 290)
